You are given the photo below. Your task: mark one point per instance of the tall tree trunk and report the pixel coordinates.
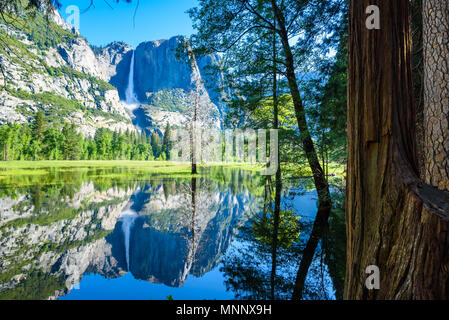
(193, 137)
(436, 92)
(322, 187)
(193, 187)
(306, 139)
(277, 197)
(391, 213)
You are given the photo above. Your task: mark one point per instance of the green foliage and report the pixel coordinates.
(156, 145)
(327, 110)
(38, 285)
(288, 230)
(38, 125)
(36, 142)
(72, 141)
(31, 17)
(167, 144)
(45, 33)
(168, 99)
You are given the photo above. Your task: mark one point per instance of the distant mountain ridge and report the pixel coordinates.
(50, 67)
(165, 83)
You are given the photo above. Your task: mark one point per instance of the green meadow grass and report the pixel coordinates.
(11, 169)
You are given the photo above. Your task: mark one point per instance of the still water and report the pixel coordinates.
(113, 233)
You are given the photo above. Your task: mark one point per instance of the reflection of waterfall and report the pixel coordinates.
(128, 218)
(130, 96)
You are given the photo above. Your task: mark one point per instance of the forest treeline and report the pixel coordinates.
(40, 141)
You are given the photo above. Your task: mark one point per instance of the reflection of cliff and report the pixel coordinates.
(169, 241)
(45, 250)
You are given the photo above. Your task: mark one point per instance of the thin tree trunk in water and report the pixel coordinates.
(277, 198)
(322, 187)
(193, 187)
(193, 141)
(307, 142)
(276, 220)
(390, 211)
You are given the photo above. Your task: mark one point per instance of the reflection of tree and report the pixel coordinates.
(272, 236)
(319, 230)
(197, 208)
(262, 265)
(325, 252)
(193, 250)
(37, 197)
(335, 243)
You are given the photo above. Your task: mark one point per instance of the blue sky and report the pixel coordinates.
(155, 20)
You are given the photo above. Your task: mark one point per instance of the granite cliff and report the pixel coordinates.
(49, 66)
(166, 82)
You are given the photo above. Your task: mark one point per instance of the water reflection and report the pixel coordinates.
(263, 264)
(57, 230)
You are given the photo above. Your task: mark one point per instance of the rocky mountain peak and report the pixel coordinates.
(92, 81)
(166, 81)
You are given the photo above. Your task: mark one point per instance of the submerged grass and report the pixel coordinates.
(21, 172)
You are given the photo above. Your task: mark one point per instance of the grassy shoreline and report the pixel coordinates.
(42, 167)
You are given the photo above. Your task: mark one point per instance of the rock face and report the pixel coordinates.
(56, 251)
(48, 243)
(157, 68)
(78, 55)
(115, 59)
(93, 81)
(166, 83)
(62, 76)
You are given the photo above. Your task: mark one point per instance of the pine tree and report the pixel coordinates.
(39, 125)
(72, 142)
(167, 143)
(156, 144)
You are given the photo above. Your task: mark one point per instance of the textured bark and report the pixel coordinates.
(436, 92)
(418, 77)
(391, 214)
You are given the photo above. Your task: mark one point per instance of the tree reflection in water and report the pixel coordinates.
(271, 244)
(57, 228)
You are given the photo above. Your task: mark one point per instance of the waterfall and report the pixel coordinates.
(131, 99)
(128, 217)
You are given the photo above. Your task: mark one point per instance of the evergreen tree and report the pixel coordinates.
(53, 144)
(38, 128)
(167, 143)
(39, 125)
(156, 145)
(72, 142)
